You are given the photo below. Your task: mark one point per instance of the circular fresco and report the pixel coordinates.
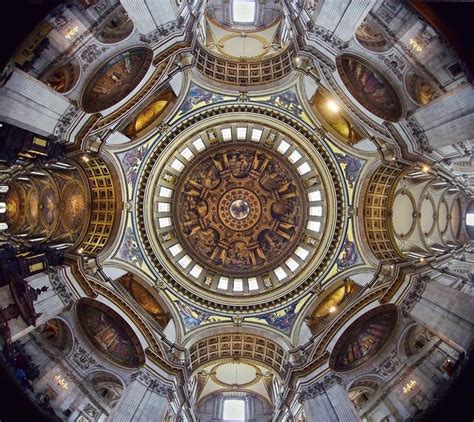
(116, 79)
(109, 333)
(239, 209)
(364, 338)
(370, 87)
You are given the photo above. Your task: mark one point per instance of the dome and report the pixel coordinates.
(236, 210)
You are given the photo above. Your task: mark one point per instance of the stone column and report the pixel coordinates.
(148, 15)
(449, 119)
(30, 104)
(328, 401)
(446, 312)
(342, 17)
(145, 399)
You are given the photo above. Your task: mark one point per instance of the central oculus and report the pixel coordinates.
(240, 210)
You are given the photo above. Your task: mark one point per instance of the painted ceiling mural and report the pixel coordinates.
(117, 78)
(109, 333)
(370, 87)
(207, 208)
(248, 212)
(364, 338)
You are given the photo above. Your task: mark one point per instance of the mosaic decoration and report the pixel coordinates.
(116, 79)
(75, 203)
(198, 97)
(145, 299)
(129, 251)
(193, 317)
(336, 119)
(287, 100)
(282, 320)
(370, 87)
(351, 167)
(364, 338)
(109, 333)
(131, 161)
(349, 256)
(151, 115)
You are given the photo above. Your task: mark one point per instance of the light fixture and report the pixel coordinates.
(85, 158)
(409, 386)
(415, 45)
(422, 259)
(332, 106)
(332, 309)
(425, 168)
(71, 33)
(61, 381)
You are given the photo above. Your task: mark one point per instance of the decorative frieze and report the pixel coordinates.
(319, 387)
(153, 383)
(414, 296)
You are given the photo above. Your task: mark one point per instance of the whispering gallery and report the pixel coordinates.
(236, 210)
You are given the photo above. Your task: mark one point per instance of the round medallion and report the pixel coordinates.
(240, 209)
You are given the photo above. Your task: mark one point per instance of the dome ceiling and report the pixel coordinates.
(219, 206)
(240, 209)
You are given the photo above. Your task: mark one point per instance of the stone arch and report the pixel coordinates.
(413, 340)
(107, 385)
(116, 28)
(58, 334)
(362, 389)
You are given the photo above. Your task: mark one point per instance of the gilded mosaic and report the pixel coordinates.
(364, 338)
(370, 87)
(116, 79)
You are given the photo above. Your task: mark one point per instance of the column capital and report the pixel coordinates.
(152, 383)
(319, 387)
